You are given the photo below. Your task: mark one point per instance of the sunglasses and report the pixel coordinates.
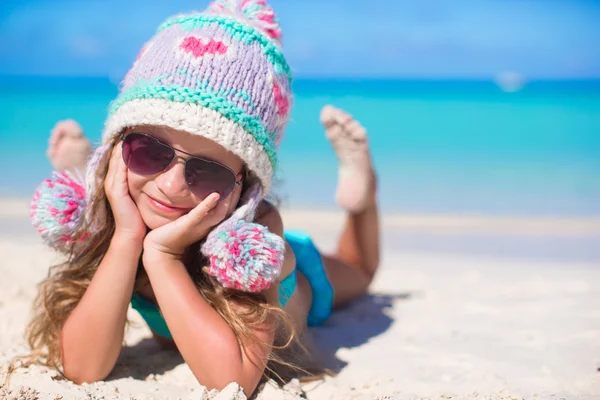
(145, 155)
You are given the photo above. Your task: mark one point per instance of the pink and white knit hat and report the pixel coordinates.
(219, 74)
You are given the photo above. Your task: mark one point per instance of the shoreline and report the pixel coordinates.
(442, 224)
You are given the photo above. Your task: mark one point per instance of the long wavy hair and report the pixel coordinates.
(60, 292)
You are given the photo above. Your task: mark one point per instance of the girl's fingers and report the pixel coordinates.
(109, 174)
(111, 168)
(115, 165)
(204, 207)
(121, 169)
(184, 230)
(191, 219)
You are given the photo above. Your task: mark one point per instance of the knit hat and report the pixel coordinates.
(219, 74)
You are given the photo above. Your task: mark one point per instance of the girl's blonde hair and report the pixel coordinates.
(60, 292)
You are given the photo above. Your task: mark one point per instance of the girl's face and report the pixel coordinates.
(164, 197)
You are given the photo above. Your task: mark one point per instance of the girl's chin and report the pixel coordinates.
(154, 221)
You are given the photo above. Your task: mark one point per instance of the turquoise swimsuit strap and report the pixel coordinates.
(151, 314)
(287, 287)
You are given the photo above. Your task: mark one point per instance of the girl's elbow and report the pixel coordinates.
(247, 382)
(85, 374)
(247, 387)
(80, 377)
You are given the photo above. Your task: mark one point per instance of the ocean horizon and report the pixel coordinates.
(439, 146)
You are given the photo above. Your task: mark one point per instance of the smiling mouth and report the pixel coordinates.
(165, 207)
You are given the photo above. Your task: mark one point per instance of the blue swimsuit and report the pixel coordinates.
(308, 261)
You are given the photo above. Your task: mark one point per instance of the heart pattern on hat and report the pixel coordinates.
(199, 47)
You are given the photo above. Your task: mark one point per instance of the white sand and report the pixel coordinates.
(511, 310)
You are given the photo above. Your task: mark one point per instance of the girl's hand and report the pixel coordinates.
(128, 221)
(173, 238)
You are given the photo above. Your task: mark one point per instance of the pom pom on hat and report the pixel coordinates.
(56, 207)
(256, 13)
(244, 255)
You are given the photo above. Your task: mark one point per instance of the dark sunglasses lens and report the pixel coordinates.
(144, 155)
(205, 177)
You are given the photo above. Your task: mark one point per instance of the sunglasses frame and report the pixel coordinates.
(185, 160)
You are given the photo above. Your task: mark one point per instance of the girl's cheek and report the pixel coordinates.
(135, 184)
(130, 182)
(222, 208)
(232, 201)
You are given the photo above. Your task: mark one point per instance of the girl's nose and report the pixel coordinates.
(172, 181)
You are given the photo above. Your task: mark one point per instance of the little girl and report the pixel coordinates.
(189, 152)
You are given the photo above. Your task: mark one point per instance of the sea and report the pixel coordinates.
(439, 147)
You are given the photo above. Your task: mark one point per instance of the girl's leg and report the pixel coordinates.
(68, 148)
(352, 267)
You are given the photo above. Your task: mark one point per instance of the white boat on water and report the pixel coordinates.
(510, 81)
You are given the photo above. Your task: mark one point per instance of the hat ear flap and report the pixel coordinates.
(91, 170)
(248, 210)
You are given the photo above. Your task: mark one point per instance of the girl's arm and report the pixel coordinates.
(203, 337)
(92, 336)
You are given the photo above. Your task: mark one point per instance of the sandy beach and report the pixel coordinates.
(468, 307)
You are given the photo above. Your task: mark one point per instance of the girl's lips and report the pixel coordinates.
(166, 208)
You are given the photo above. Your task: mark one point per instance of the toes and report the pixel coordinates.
(342, 117)
(356, 131)
(334, 132)
(331, 115)
(57, 133)
(67, 127)
(61, 130)
(67, 141)
(327, 116)
(339, 124)
(56, 136)
(72, 128)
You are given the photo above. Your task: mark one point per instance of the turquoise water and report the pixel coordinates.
(439, 147)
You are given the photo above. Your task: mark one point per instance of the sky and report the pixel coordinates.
(551, 39)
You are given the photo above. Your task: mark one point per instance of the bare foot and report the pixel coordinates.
(68, 148)
(356, 184)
